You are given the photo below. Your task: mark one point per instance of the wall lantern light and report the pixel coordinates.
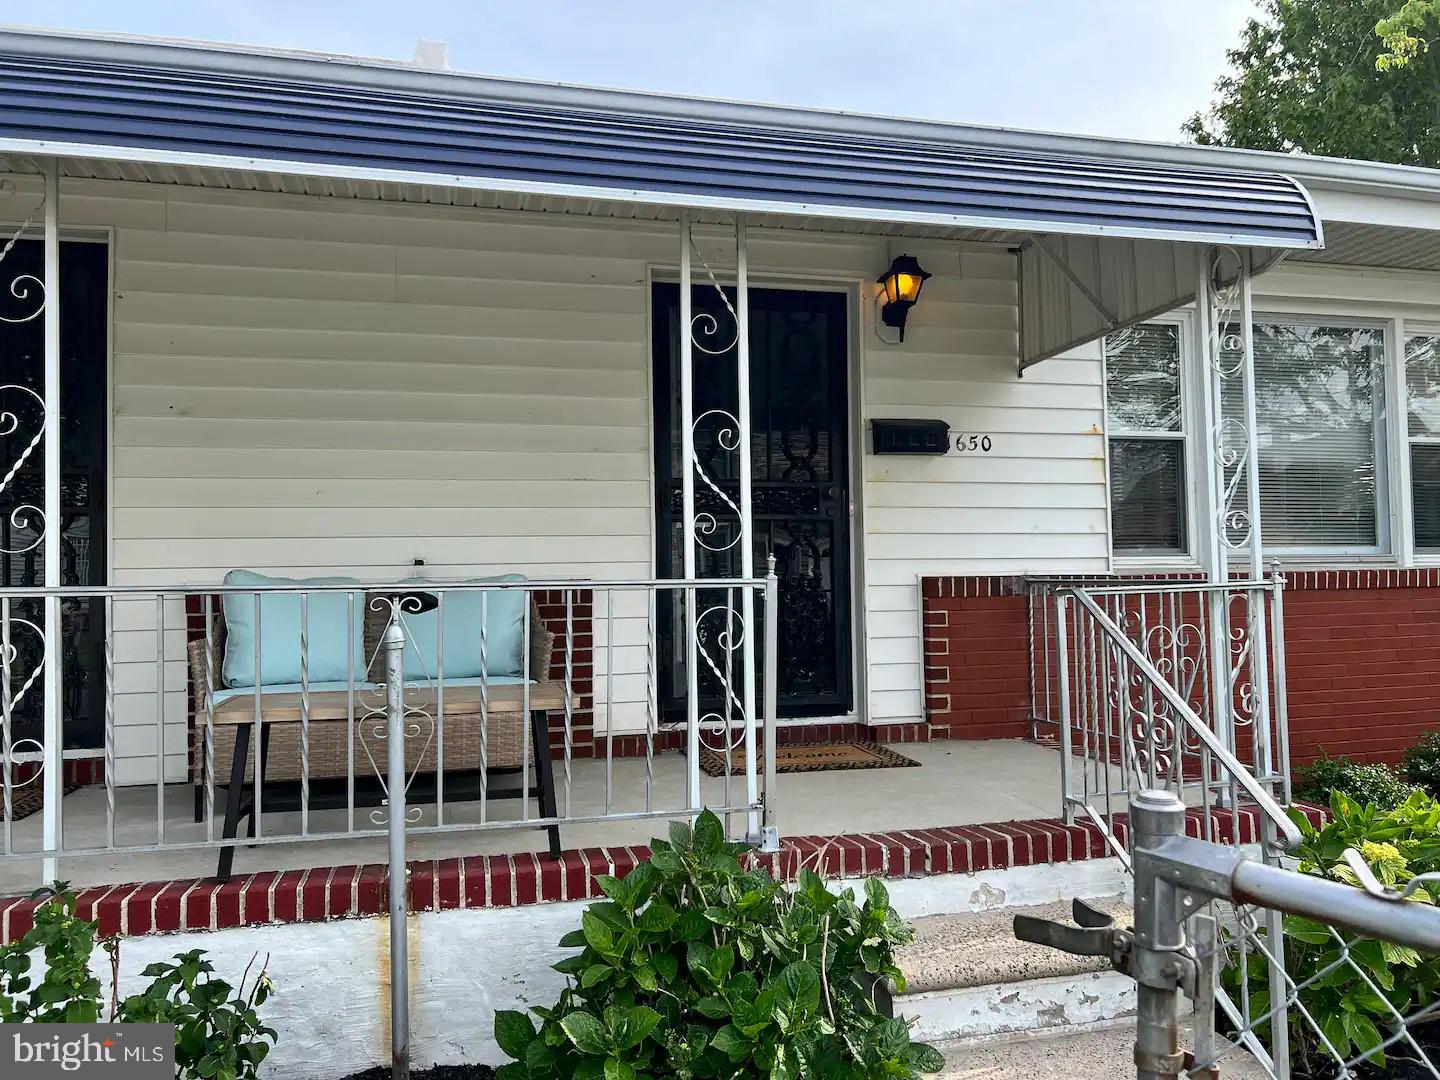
(901, 286)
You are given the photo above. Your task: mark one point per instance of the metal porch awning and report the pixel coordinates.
(1107, 241)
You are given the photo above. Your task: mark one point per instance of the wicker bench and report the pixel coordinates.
(469, 761)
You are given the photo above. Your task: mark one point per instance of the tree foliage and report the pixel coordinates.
(1340, 78)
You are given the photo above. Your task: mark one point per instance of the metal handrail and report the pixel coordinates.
(1266, 584)
(1289, 837)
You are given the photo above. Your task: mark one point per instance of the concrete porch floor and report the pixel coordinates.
(958, 783)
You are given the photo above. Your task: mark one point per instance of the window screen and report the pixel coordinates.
(1147, 441)
(1318, 397)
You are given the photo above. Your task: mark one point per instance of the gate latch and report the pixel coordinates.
(1094, 934)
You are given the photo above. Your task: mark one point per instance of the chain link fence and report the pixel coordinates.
(1301, 977)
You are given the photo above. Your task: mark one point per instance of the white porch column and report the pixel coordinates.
(1213, 553)
(54, 737)
(687, 513)
(747, 536)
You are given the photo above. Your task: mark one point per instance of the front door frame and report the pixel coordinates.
(854, 290)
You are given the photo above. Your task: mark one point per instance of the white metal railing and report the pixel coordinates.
(1175, 689)
(282, 726)
(1159, 686)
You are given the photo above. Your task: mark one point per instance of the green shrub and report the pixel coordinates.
(218, 1033)
(1421, 764)
(1398, 844)
(1372, 784)
(695, 967)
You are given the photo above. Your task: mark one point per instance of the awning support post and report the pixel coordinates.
(54, 736)
(717, 635)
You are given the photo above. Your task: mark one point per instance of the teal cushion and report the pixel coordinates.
(504, 614)
(280, 631)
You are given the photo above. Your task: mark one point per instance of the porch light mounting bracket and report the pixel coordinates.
(900, 287)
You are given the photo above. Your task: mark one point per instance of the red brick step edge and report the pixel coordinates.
(501, 881)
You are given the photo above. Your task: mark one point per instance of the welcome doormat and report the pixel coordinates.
(30, 799)
(814, 757)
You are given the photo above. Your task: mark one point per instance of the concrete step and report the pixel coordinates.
(967, 977)
(1106, 1053)
(979, 948)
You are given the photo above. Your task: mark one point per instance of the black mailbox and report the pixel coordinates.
(909, 436)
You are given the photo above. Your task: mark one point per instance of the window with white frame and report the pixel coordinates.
(1422, 411)
(1144, 402)
(1319, 403)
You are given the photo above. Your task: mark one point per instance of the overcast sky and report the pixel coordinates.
(1131, 68)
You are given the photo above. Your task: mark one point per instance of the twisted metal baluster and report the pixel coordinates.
(209, 709)
(109, 717)
(6, 652)
(350, 711)
(525, 710)
(484, 703)
(440, 707)
(609, 698)
(160, 716)
(304, 714)
(569, 691)
(652, 677)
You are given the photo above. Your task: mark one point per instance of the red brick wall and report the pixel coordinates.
(1362, 659)
(1363, 662)
(977, 658)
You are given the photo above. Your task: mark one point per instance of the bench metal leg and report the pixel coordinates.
(545, 774)
(233, 805)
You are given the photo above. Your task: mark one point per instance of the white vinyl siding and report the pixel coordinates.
(306, 385)
(1034, 504)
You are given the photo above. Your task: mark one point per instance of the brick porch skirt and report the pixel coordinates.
(1362, 659)
(501, 881)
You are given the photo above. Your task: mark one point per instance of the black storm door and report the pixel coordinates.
(799, 417)
(84, 292)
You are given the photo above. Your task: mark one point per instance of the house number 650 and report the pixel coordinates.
(968, 443)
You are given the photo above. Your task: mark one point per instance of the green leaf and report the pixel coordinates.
(657, 917)
(876, 895)
(513, 1032)
(572, 965)
(615, 1069)
(709, 834)
(1333, 1028)
(800, 987)
(667, 965)
(1366, 1037)
(682, 837)
(596, 973)
(598, 933)
(891, 1038)
(640, 1021)
(586, 1032)
(731, 1043)
(925, 1058)
(721, 916)
(691, 925)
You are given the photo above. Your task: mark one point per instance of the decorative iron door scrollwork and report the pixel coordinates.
(84, 270)
(800, 493)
